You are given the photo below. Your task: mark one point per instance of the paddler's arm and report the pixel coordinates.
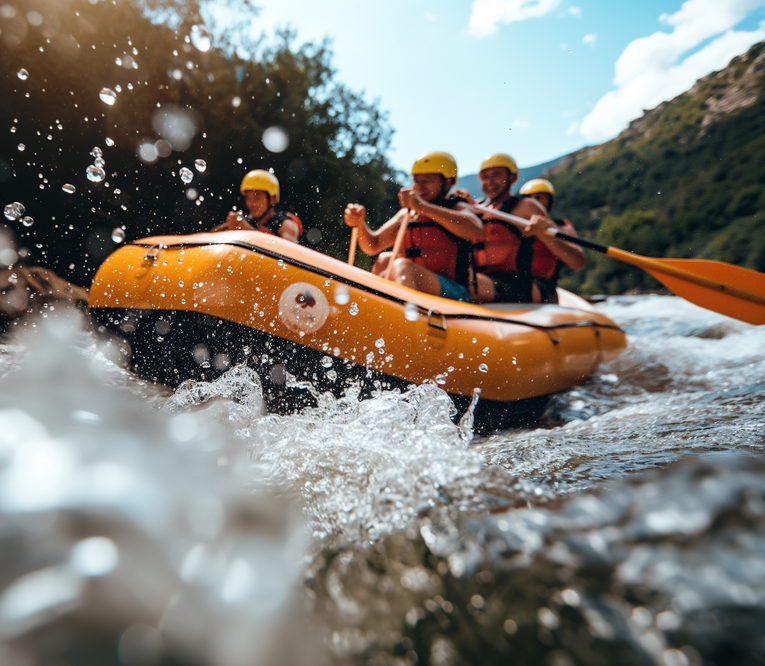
(290, 231)
(460, 220)
(571, 255)
(372, 242)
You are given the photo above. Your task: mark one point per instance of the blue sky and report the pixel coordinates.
(535, 78)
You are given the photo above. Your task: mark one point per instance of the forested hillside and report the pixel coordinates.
(687, 179)
(112, 124)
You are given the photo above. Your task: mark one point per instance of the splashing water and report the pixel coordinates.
(200, 165)
(187, 175)
(92, 505)
(624, 528)
(23, 74)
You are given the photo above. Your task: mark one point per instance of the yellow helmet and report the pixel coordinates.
(500, 160)
(436, 162)
(536, 185)
(260, 179)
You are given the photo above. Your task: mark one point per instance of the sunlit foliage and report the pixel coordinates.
(176, 117)
(685, 180)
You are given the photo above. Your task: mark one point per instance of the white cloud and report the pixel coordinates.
(520, 124)
(430, 17)
(659, 67)
(575, 11)
(487, 15)
(590, 38)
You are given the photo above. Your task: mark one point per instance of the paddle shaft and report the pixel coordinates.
(352, 248)
(646, 263)
(398, 243)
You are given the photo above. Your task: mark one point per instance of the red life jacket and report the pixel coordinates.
(502, 248)
(431, 246)
(544, 264)
(275, 223)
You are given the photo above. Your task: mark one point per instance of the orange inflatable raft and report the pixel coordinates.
(192, 306)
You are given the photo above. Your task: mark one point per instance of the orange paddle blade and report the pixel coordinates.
(730, 290)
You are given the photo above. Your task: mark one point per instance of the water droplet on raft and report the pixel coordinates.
(13, 211)
(187, 175)
(27, 221)
(483, 368)
(95, 173)
(68, 188)
(107, 96)
(21, 147)
(380, 343)
(341, 294)
(23, 74)
(326, 361)
(200, 165)
(201, 38)
(354, 309)
(118, 234)
(411, 312)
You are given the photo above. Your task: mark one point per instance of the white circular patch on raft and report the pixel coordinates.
(303, 308)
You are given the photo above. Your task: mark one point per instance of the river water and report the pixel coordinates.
(144, 526)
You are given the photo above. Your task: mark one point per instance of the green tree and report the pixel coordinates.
(177, 102)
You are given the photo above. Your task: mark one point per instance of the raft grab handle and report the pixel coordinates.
(432, 322)
(152, 254)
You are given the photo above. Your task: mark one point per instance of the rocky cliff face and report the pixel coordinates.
(715, 96)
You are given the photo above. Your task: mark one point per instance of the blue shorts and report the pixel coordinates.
(453, 290)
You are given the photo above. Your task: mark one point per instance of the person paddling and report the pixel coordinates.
(440, 231)
(260, 189)
(503, 254)
(549, 253)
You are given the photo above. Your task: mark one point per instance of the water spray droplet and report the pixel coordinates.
(23, 74)
(353, 309)
(68, 188)
(201, 38)
(275, 139)
(27, 221)
(95, 173)
(13, 211)
(200, 165)
(107, 96)
(21, 147)
(118, 234)
(187, 175)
